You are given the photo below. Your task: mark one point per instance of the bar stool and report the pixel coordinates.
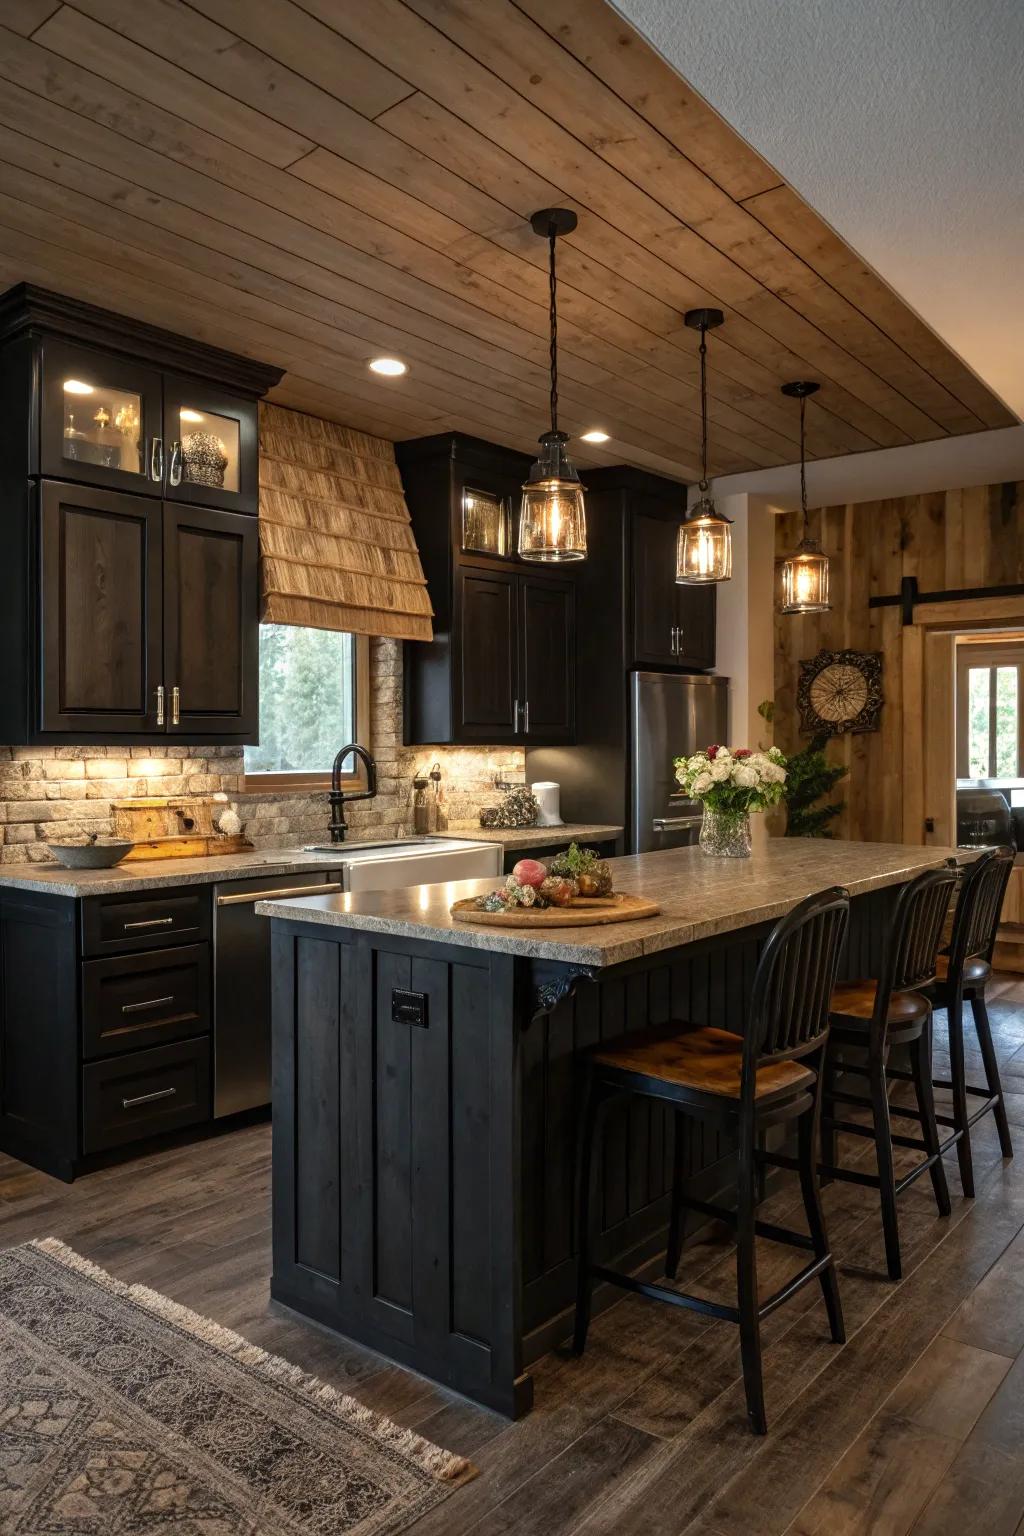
(875, 1015)
(962, 972)
(744, 1081)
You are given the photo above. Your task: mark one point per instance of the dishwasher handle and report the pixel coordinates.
(248, 898)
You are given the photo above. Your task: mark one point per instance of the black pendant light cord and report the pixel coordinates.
(703, 409)
(803, 467)
(553, 287)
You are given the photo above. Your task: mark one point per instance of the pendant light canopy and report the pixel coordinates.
(704, 545)
(805, 571)
(552, 521)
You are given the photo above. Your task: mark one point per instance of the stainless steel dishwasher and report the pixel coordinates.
(241, 989)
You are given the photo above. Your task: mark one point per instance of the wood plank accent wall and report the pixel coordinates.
(948, 540)
(313, 184)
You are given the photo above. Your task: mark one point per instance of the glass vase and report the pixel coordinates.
(725, 834)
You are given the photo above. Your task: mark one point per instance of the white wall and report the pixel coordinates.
(745, 634)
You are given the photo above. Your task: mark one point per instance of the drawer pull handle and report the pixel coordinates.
(150, 922)
(148, 1098)
(248, 897)
(154, 1002)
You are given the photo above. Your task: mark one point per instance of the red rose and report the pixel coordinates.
(743, 752)
(712, 753)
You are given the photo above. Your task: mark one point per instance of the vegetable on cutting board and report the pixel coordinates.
(577, 872)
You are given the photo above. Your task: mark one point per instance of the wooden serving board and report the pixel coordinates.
(585, 912)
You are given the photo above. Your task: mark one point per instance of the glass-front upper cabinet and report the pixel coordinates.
(100, 419)
(211, 445)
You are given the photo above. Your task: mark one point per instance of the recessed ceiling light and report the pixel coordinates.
(189, 415)
(389, 366)
(77, 387)
(595, 437)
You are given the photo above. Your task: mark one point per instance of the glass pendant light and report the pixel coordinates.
(805, 571)
(552, 521)
(704, 545)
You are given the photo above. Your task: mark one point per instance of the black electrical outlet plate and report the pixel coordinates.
(408, 1007)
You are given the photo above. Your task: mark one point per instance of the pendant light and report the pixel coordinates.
(704, 545)
(552, 522)
(805, 571)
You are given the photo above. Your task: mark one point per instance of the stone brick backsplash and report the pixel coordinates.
(48, 794)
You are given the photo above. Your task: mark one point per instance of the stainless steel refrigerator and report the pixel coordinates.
(670, 716)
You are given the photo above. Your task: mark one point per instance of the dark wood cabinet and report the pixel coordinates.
(501, 667)
(211, 622)
(673, 624)
(100, 418)
(486, 635)
(129, 473)
(211, 445)
(100, 610)
(547, 636)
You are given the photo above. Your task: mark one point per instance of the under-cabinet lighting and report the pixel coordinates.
(390, 367)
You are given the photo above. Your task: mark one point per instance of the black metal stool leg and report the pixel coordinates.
(886, 1171)
(677, 1222)
(808, 1131)
(829, 1135)
(980, 1010)
(746, 1284)
(921, 1066)
(958, 1079)
(585, 1209)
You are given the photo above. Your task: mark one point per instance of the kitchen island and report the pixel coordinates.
(424, 1093)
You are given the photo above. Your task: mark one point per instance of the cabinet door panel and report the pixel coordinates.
(654, 589)
(100, 420)
(695, 616)
(488, 651)
(211, 438)
(548, 648)
(211, 623)
(100, 610)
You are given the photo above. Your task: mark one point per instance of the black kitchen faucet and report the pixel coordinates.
(338, 797)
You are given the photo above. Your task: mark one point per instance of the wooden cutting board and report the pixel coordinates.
(585, 912)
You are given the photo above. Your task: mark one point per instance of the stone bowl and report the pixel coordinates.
(89, 855)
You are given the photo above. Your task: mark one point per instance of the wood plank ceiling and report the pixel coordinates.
(316, 183)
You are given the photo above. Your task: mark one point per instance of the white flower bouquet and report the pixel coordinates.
(733, 780)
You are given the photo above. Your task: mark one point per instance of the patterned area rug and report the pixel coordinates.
(121, 1412)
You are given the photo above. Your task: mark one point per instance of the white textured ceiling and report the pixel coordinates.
(902, 123)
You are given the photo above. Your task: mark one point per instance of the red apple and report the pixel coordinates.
(530, 872)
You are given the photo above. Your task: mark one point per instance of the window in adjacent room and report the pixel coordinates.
(313, 699)
(990, 711)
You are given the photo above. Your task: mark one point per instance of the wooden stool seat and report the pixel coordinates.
(704, 1060)
(853, 1007)
(976, 971)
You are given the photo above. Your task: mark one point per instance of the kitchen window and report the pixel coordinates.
(314, 697)
(990, 711)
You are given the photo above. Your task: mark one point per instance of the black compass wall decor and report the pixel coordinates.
(840, 692)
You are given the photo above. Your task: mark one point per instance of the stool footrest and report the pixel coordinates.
(809, 1272)
(762, 1228)
(664, 1293)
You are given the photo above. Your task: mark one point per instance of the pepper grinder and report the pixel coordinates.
(440, 817)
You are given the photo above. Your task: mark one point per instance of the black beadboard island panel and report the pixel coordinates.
(425, 1095)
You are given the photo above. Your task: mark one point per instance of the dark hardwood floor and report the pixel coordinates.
(916, 1424)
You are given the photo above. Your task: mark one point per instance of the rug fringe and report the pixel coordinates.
(439, 1463)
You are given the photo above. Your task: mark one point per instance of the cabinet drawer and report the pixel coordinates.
(132, 1001)
(127, 1098)
(115, 924)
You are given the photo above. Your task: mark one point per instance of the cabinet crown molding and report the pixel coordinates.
(28, 310)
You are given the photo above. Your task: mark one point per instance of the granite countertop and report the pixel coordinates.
(699, 897)
(152, 874)
(540, 837)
